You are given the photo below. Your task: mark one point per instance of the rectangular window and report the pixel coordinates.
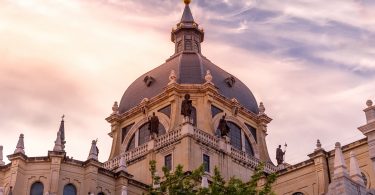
(206, 163)
(168, 161)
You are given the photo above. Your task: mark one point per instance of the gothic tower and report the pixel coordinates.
(213, 93)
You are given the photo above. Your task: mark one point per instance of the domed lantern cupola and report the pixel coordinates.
(187, 36)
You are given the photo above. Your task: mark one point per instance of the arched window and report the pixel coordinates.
(162, 130)
(248, 147)
(235, 135)
(144, 134)
(70, 189)
(101, 193)
(131, 143)
(298, 193)
(238, 139)
(37, 188)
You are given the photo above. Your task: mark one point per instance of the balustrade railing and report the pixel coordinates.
(206, 138)
(168, 138)
(174, 136)
(251, 160)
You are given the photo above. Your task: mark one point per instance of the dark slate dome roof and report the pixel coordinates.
(190, 68)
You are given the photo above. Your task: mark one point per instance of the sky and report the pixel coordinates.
(312, 64)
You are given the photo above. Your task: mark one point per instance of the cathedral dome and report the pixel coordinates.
(190, 67)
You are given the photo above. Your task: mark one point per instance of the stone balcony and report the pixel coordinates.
(197, 134)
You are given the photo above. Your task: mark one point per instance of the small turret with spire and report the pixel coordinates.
(187, 36)
(20, 148)
(60, 139)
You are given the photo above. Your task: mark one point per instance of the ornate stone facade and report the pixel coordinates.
(190, 142)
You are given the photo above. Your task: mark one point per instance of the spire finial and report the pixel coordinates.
(187, 2)
(62, 117)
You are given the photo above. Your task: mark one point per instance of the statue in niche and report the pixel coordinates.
(280, 155)
(153, 125)
(223, 126)
(186, 106)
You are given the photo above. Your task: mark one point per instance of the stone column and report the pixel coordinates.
(369, 129)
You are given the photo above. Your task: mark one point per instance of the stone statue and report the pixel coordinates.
(153, 125)
(223, 126)
(280, 155)
(186, 106)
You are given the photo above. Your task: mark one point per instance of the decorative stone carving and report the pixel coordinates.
(208, 77)
(230, 81)
(144, 109)
(186, 107)
(172, 77)
(280, 155)
(58, 144)
(318, 145)
(148, 80)
(235, 107)
(122, 164)
(223, 127)
(94, 151)
(369, 103)
(20, 148)
(115, 108)
(153, 125)
(262, 109)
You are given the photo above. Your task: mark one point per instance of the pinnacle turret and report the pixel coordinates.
(20, 148)
(60, 139)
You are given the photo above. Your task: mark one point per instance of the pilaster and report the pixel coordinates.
(91, 175)
(18, 162)
(56, 159)
(369, 130)
(321, 169)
